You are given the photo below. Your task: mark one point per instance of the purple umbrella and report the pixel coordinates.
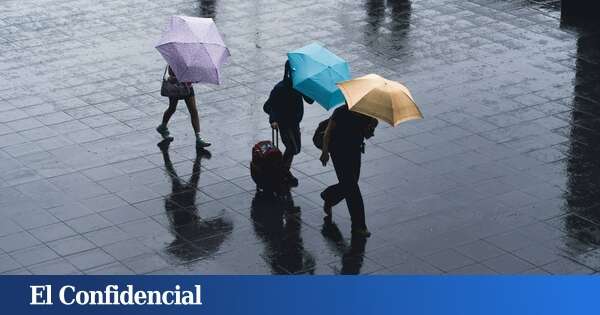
(194, 49)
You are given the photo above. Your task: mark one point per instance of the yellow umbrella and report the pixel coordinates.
(377, 97)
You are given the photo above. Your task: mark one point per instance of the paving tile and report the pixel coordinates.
(143, 227)
(480, 250)
(71, 245)
(106, 236)
(474, 269)
(34, 255)
(151, 207)
(126, 249)
(115, 268)
(88, 223)
(16, 241)
(137, 195)
(89, 259)
(565, 266)
(507, 264)
(18, 272)
(146, 263)
(103, 172)
(103, 203)
(536, 272)
(511, 241)
(8, 264)
(538, 255)
(122, 214)
(33, 219)
(57, 266)
(7, 227)
(448, 259)
(70, 211)
(413, 267)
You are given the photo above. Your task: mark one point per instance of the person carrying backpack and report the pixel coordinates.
(285, 108)
(344, 141)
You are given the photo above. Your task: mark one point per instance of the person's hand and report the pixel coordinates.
(324, 158)
(274, 125)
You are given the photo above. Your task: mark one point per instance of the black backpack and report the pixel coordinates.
(320, 133)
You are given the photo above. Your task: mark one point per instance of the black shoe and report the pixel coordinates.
(326, 206)
(201, 143)
(361, 233)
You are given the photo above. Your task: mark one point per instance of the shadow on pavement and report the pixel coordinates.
(277, 223)
(194, 237)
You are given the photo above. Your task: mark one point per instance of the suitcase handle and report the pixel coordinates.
(274, 132)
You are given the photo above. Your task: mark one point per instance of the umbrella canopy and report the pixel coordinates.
(315, 72)
(377, 97)
(194, 49)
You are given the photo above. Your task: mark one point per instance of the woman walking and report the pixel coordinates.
(190, 102)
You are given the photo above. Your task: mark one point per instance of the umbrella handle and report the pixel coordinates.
(275, 139)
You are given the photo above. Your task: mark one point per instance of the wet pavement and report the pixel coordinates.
(502, 175)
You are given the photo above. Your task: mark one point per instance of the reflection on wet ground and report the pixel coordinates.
(277, 223)
(500, 177)
(208, 8)
(195, 238)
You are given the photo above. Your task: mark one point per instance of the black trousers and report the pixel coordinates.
(347, 169)
(290, 136)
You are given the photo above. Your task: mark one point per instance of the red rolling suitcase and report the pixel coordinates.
(266, 167)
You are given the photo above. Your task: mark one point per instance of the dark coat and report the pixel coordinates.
(285, 105)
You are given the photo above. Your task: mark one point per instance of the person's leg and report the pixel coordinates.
(288, 158)
(350, 173)
(190, 102)
(290, 136)
(170, 111)
(162, 128)
(334, 194)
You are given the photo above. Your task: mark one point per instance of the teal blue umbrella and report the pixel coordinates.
(315, 72)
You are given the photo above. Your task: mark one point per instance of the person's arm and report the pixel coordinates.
(326, 140)
(308, 99)
(270, 109)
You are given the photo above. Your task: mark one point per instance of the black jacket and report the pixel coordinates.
(349, 132)
(285, 105)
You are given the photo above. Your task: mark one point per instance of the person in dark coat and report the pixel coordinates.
(344, 140)
(285, 107)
